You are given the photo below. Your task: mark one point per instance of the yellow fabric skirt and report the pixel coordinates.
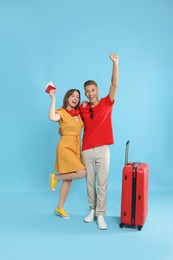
(68, 154)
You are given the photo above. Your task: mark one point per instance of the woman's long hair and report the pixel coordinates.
(67, 95)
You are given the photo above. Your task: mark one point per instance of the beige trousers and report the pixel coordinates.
(97, 162)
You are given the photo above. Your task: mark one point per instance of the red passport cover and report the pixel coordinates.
(49, 87)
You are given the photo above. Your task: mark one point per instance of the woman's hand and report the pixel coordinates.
(52, 93)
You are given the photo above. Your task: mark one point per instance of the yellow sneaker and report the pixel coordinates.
(52, 182)
(62, 213)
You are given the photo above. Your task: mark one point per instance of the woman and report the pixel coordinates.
(68, 162)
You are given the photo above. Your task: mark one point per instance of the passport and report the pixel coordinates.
(50, 86)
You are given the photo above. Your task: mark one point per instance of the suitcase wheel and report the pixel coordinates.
(121, 225)
(139, 228)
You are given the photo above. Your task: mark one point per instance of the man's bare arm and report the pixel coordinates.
(115, 76)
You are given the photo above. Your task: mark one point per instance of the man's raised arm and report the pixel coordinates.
(115, 76)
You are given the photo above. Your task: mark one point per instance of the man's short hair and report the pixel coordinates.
(90, 82)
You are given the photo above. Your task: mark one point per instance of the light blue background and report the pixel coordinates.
(69, 42)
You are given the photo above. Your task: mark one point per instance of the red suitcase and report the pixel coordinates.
(134, 200)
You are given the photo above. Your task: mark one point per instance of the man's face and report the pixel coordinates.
(91, 92)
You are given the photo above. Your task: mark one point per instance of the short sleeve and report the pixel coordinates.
(60, 111)
(107, 101)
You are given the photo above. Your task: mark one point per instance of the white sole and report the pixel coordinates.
(102, 228)
(49, 183)
(89, 220)
(56, 213)
(86, 221)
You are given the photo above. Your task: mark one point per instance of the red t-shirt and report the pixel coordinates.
(98, 130)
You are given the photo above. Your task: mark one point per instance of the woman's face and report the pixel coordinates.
(73, 100)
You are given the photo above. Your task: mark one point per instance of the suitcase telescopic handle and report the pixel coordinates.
(127, 152)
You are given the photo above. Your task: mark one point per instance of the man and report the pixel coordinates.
(98, 135)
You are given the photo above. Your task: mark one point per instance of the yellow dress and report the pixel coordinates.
(68, 149)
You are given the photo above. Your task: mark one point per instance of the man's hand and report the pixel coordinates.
(115, 76)
(84, 103)
(114, 57)
(60, 132)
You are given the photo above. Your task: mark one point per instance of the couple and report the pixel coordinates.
(95, 116)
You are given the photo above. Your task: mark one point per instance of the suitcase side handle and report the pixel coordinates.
(127, 152)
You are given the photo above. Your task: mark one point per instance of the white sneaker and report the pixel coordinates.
(101, 222)
(90, 216)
